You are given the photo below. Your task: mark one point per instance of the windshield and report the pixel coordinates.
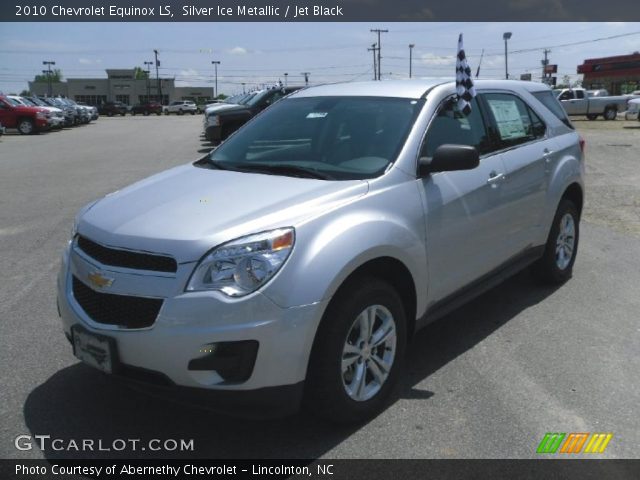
(14, 102)
(341, 138)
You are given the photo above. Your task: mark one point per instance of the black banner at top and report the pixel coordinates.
(316, 10)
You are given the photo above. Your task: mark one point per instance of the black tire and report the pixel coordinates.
(325, 390)
(610, 113)
(180, 112)
(546, 269)
(123, 114)
(133, 114)
(110, 114)
(146, 113)
(592, 116)
(25, 126)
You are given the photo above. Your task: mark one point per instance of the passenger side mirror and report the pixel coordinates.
(448, 158)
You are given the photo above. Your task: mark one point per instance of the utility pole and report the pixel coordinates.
(158, 77)
(215, 64)
(243, 90)
(306, 77)
(411, 45)
(545, 62)
(379, 31)
(148, 65)
(285, 78)
(48, 73)
(374, 49)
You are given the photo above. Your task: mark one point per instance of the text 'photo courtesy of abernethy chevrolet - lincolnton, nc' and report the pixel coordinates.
(292, 264)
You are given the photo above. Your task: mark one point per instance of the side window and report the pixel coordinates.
(568, 95)
(451, 126)
(516, 122)
(579, 94)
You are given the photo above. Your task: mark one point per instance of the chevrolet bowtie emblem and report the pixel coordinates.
(100, 281)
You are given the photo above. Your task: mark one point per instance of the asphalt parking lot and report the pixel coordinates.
(487, 381)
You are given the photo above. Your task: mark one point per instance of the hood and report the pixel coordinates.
(235, 108)
(221, 108)
(186, 211)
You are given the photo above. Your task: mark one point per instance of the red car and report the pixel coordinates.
(147, 108)
(26, 119)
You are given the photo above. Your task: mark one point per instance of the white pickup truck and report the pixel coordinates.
(576, 101)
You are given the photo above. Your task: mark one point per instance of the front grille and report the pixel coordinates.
(127, 259)
(110, 309)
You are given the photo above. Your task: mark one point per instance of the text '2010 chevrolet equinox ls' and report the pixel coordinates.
(292, 264)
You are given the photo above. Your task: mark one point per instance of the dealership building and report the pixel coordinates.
(619, 75)
(121, 85)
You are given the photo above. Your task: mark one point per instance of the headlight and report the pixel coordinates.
(242, 266)
(214, 120)
(41, 115)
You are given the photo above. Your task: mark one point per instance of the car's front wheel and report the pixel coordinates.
(610, 114)
(556, 265)
(25, 126)
(358, 352)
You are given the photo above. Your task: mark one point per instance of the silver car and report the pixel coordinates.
(294, 263)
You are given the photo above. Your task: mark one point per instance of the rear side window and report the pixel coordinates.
(516, 122)
(451, 126)
(548, 99)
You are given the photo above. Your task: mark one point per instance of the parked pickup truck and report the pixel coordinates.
(576, 101)
(26, 119)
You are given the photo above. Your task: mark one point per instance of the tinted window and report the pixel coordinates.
(515, 121)
(549, 100)
(344, 138)
(453, 127)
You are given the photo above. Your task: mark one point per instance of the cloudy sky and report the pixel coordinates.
(255, 53)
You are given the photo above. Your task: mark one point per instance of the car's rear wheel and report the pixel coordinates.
(357, 354)
(556, 265)
(25, 126)
(610, 113)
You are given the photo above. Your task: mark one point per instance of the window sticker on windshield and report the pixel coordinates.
(317, 114)
(508, 119)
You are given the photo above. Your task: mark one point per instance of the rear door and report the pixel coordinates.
(7, 115)
(527, 154)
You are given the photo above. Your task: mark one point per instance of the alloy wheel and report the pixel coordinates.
(368, 353)
(566, 241)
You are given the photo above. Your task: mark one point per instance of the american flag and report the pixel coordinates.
(464, 85)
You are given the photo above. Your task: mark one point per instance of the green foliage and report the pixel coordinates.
(56, 76)
(140, 74)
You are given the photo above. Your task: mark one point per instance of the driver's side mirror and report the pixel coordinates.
(449, 158)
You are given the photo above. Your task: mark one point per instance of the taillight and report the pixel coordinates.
(582, 143)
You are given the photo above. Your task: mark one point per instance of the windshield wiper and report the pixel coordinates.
(291, 170)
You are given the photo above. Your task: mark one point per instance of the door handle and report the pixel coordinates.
(495, 177)
(546, 154)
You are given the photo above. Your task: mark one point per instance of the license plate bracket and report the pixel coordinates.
(96, 350)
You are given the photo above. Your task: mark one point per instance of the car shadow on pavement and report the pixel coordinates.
(79, 403)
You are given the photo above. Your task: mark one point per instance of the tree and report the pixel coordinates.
(56, 76)
(140, 74)
(25, 93)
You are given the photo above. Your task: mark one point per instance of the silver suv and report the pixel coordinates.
(294, 263)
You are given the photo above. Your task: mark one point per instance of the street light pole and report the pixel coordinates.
(158, 78)
(411, 45)
(285, 79)
(148, 65)
(215, 64)
(306, 77)
(48, 63)
(506, 36)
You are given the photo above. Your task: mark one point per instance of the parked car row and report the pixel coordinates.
(32, 114)
(222, 119)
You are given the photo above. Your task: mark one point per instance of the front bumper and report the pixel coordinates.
(189, 323)
(213, 133)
